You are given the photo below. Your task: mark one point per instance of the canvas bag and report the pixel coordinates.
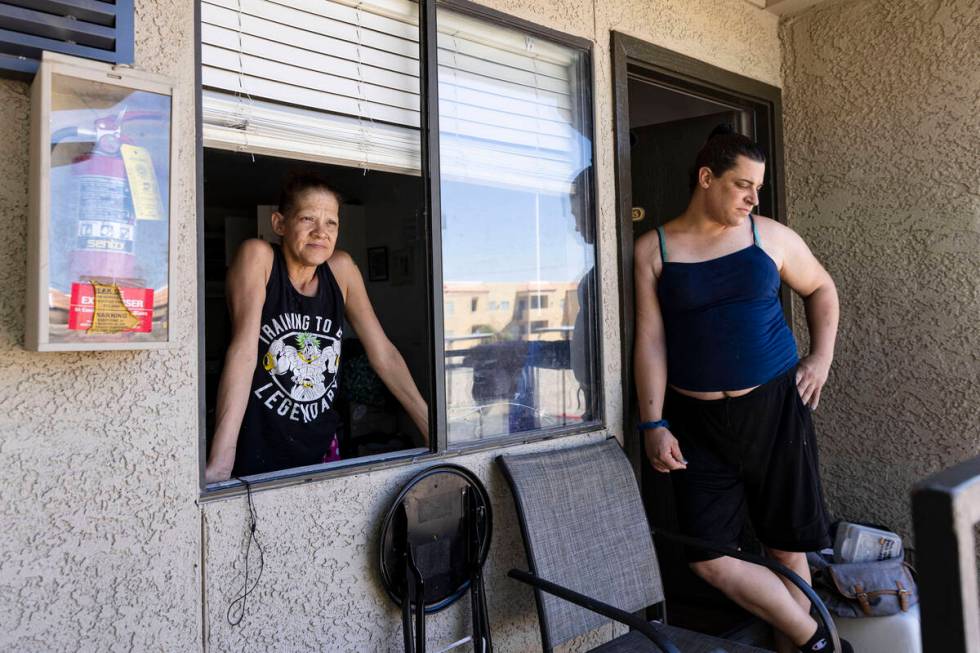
(864, 589)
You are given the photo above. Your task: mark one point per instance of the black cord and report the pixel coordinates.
(246, 590)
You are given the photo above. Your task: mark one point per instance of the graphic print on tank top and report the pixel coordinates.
(301, 359)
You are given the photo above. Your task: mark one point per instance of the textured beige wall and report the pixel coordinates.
(100, 450)
(100, 549)
(730, 34)
(883, 181)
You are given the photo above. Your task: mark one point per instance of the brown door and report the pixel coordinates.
(661, 158)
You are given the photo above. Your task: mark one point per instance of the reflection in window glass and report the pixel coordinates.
(515, 148)
(109, 193)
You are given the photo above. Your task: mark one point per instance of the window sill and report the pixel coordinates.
(367, 464)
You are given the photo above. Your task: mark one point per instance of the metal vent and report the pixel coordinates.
(93, 29)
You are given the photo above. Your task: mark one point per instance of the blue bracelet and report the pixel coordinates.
(644, 426)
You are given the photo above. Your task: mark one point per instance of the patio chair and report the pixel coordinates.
(591, 554)
(434, 542)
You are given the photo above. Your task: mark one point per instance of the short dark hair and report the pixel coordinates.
(299, 180)
(719, 152)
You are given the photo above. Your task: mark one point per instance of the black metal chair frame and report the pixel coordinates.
(477, 548)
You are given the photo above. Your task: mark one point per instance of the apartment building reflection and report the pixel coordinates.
(509, 357)
(476, 312)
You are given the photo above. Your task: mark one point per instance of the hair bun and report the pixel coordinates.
(723, 129)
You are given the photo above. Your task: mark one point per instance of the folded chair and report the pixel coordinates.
(591, 553)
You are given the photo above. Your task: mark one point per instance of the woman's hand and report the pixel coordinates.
(663, 450)
(811, 375)
(421, 418)
(218, 470)
(221, 462)
(386, 361)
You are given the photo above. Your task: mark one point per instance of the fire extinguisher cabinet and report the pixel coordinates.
(100, 234)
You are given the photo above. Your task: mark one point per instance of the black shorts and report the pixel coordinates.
(756, 453)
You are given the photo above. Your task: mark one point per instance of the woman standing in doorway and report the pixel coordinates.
(275, 406)
(725, 399)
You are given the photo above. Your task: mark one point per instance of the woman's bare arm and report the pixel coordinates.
(384, 357)
(802, 272)
(247, 279)
(650, 357)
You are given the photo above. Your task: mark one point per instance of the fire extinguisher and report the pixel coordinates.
(105, 223)
(105, 239)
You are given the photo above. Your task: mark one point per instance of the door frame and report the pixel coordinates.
(632, 57)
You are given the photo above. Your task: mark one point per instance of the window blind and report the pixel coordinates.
(338, 81)
(320, 80)
(507, 107)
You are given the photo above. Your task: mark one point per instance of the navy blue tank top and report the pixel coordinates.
(723, 322)
(290, 420)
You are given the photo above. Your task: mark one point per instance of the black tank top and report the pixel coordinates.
(289, 420)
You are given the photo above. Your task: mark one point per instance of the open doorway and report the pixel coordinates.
(667, 128)
(666, 106)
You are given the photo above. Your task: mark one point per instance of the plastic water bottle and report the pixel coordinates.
(857, 543)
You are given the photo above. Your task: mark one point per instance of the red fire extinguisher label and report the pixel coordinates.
(134, 303)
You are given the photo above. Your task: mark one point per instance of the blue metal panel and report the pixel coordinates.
(92, 29)
(30, 46)
(125, 32)
(90, 11)
(59, 28)
(14, 67)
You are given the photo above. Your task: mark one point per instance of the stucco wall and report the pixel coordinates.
(883, 181)
(101, 535)
(105, 539)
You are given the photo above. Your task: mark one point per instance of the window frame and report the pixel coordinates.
(440, 448)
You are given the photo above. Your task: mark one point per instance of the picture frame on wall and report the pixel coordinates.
(402, 268)
(377, 263)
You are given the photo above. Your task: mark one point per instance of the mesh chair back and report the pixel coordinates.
(584, 528)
